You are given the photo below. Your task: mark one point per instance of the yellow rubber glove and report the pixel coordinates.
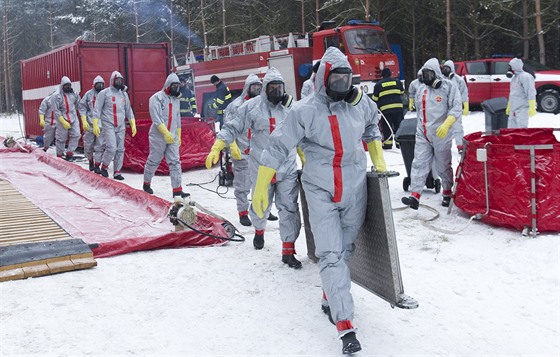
(443, 129)
(376, 155)
(85, 124)
(96, 129)
(410, 104)
(166, 134)
(234, 150)
(301, 155)
(42, 120)
(66, 125)
(465, 108)
(132, 123)
(507, 109)
(260, 194)
(178, 132)
(214, 154)
(532, 108)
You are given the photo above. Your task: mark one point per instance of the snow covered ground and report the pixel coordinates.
(485, 291)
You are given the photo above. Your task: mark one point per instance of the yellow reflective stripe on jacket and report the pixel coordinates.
(228, 96)
(358, 98)
(389, 92)
(374, 98)
(391, 106)
(387, 84)
(219, 101)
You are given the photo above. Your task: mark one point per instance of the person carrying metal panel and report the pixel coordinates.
(448, 70)
(165, 135)
(241, 173)
(93, 146)
(387, 94)
(222, 99)
(329, 126)
(413, 89)
(65, 103)
(262, 115)
(188, 100)
(49, 126)
(438, 107)
(522, 95)
(111, 108)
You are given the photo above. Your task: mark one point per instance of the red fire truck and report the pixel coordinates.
(364, 43)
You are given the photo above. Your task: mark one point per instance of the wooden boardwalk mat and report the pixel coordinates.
(31, 243)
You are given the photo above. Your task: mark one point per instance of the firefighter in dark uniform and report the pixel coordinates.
(222, 99)
(387, 93)
(188, 100)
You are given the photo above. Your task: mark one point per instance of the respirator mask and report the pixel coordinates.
(254, 90)
(99, 86)
(446, 71)
(509, 72)
(275, 92)
(67, 88)
(174, 89)
(339, 83)
(118, 83)
(429, 78)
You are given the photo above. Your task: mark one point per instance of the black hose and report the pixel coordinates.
(241, 238)
(220, 194)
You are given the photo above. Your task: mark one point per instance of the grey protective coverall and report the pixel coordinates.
(111, 107)
(457, 128)
(49, 131)
(242, 175)
(93, 146)
(433, 106)
(165, 109)
(308, 87)
(262, 117)
(334, 177)
(66, 105)
(521, 91)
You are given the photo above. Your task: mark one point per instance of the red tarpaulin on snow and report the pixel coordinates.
(509, 178)
(118, 218)
(197, 137)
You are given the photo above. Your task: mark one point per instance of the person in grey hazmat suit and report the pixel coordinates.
(438, 105)
(308, 86)
(64, 103)
(49, 127)
(93, 147)
(112, 106)
(448, 70)
(241, 173)
(412, 89)
(329, 126)
(165, 135)
(522, 102)
(262, 115)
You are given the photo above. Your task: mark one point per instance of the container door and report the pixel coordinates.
(285, 64)
(500, 82)
(146, 71)
(478, 81)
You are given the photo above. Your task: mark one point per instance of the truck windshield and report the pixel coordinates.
(364, 41)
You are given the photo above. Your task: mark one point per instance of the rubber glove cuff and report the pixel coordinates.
(465, 108)
(96, 129)
(532, 107)
(235, 151)
(411, 104)
(42, 120)
(507, 109)
(178, 131)
(260, 194)
(376, 155)
(132, 123)
(64, 123)
(169, 139)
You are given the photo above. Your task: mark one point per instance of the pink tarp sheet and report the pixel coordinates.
(116, 217)
(509, 178)
(197, 137)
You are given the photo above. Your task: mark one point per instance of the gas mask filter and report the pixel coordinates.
(446, 71)
(338, 83)
(509, 72)
(254, 90)
(275, 92)
(429, 78)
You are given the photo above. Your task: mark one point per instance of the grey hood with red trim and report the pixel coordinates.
(332, 59)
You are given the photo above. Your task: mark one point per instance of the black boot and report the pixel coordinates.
(245, 221)
(104, 172)
(272, 217)
(147, 188)
(97, 170)
(350, 343)
(446, 201)
(118, 177)
(411, 202)
(91, 165)
(327, 310)
(258, 241)
(181, 194)
(291, 261)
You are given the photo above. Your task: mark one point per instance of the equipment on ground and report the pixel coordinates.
(225, 176)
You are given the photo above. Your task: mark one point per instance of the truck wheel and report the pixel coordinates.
(549, 101)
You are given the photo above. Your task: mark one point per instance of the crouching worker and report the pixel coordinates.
(262, 115)
(165, 135)
(329, 126)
